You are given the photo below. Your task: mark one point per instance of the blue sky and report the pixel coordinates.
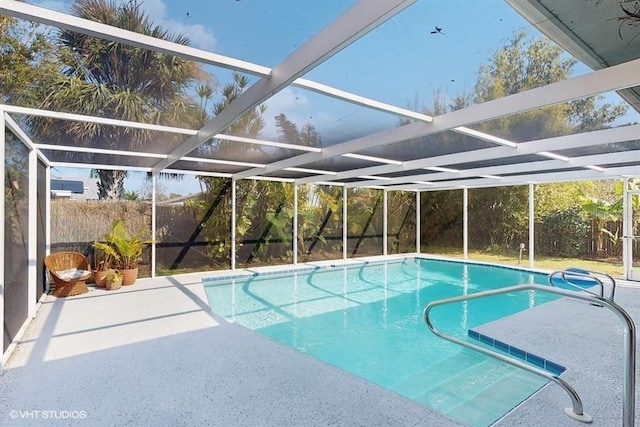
(398, 63)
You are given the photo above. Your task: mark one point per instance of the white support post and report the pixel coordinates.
(465, 223)
(233, 223)
(627, 231)
(344, 222)
(295, 224)
(2, 206)
(47, 214)
(385, 222)
(32, 237)
(418, 221)
(154, 200)
(532, 222)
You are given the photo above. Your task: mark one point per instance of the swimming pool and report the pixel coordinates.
(366, 318)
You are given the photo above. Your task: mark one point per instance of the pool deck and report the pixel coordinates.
(154, 354)
(588, 341)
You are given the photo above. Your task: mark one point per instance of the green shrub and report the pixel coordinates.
(563, 233)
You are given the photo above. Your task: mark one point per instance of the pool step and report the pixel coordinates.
(498, 398)
(465, 384)
(416, 385)
(482, 392)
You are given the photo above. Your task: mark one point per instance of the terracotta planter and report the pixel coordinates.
(129, 276)
(98, 277)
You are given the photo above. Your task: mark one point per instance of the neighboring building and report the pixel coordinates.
(74, 188)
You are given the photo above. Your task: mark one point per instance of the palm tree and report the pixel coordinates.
(116, 80)
(248, 125)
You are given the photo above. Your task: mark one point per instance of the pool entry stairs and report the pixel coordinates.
(444, 394)
(480, 387)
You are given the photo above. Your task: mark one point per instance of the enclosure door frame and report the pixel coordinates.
(628, 237)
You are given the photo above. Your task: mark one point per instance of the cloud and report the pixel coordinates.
(199, 35)
(334, 120)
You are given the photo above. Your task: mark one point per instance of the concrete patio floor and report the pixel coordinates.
(154, 354)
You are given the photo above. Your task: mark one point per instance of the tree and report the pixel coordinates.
(289, 133)
(525, 63)
(601, 212)
(28, 64)
(498, 217)
(119, 81)
(214, 205)
(132, 195)
(248, 125)
(521, 64)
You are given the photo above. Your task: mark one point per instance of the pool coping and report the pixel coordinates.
(246, 273)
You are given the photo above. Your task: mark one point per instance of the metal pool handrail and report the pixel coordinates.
(628, 391)
(587, 273)
(563, 276)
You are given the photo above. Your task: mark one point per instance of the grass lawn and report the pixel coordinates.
(609, 266)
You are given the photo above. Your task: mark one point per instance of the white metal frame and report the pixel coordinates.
(295, 224)
(7, 123)
(2, 234)
(364, 16)
(385, 222)
(465, 223)
(350, 26)
(627, 233)
(344, 30)
(344, 223)
(532, 224)
(418, 220)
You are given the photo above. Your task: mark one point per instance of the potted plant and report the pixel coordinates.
(128, 248)
(105, 257)
(113, 279)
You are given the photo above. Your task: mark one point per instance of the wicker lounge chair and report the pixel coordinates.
(69, 271)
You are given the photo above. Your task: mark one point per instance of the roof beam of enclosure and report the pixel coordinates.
(92, 119)
(143, 154)
(183, 131)
(17, 131)
(344, 30)
(599, 137)
(359, 100)
(601, 160)
(613, 78)
(147, 126)
(540, 178)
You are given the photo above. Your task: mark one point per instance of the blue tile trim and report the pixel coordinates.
(540, 362)
(554, 368)
(487, 340)
(536, 360)
(501, 346)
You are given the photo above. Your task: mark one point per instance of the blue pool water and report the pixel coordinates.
(367, 319)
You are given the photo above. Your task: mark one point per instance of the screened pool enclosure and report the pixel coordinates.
(308, 136)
